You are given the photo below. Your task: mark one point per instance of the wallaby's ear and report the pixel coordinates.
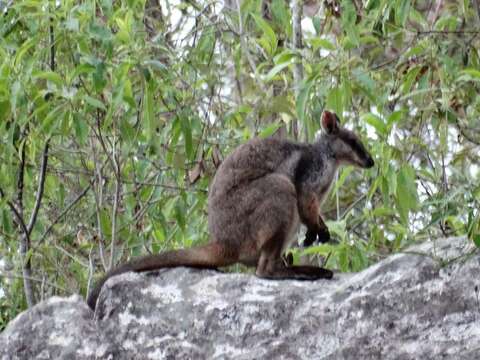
(330, 122)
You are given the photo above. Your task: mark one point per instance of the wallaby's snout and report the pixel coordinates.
(365, 159)
(369, 163)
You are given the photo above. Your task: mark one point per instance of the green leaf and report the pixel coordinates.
(338, 228)
(186, 127)
(410, 79)
(366, 85)
(269, 130)
(393, 118)
(275, 70)
(286, 56)
(50, 76)
(95, 103)
(180, 213)
(268, 32)
(281, 104)
(6, 221)
(105, 222)
(99, 32)
(349, 19)
(51, 121)
(127, 131)
(148, 112)
(65, 123)
(99, 79)
(319, 43)
(15, 94)
(447, 22)
(302, 98)
(469, 74)
(26, 46)
(476, 240)
(81, 69)
(4, 110)
(406, 194)
(124, 28)
(174, 136)
(372, 4)
(402, 9)
(81, 128)
(156, 65)
(335, 101)
(206, 45)
(281, 16)
(343, 258)
(376, 122)
(317, 24)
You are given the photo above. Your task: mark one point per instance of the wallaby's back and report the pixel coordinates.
(237, 189)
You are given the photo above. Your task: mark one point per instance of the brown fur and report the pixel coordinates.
(258, 197)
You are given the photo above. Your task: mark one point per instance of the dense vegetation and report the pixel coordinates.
(114, 114)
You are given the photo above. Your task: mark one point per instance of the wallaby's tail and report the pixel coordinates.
(211, 255)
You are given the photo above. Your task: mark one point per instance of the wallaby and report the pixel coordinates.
(259, 195)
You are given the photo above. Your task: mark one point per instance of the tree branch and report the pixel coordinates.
(297, 12)
(116, 199)
(447, 32)
(476, 5)
(25, 238)
(20, 181)
(244, 46)
(41, 188)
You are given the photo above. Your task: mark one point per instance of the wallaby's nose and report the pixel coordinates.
(370, 163)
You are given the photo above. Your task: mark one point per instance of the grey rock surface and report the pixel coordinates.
(422, 304)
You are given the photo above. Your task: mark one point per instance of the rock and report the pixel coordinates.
(422, 304)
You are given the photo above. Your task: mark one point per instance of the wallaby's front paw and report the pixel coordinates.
(310, 238)
(323, 235)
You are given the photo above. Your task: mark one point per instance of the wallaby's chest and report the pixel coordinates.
(325, 179)
(315, 171)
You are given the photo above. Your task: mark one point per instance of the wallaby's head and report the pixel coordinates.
(346, 146)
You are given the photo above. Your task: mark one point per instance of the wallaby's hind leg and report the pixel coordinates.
(276, 220)
(272, 264)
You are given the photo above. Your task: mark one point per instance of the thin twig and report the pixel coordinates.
(447, 32)
(352, 205)
(90, 271)
(116, 199)
(64, 212)
(15, 276)
(62, 250)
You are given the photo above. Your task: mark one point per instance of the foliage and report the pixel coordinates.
(135, 100)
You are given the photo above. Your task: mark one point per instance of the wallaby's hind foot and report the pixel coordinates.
(312, 271)
(296, 273)
(271, 267)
